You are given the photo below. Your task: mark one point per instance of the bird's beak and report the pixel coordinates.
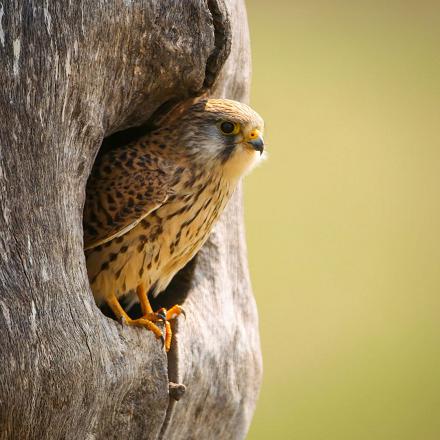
(255, 140)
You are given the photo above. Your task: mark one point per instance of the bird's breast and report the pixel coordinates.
(160, 245)
(185, 233)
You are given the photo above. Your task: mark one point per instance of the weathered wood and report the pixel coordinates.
(71, 74)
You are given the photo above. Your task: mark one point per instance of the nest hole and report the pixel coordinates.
(178, 289)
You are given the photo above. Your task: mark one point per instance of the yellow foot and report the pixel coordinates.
(120, 313)
(164, 315)
(149, 318)
(143, 322)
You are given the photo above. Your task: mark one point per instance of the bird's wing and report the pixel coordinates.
(121, 193)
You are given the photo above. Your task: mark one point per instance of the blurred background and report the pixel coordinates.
(343, 219)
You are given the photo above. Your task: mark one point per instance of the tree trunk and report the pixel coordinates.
(71, 74)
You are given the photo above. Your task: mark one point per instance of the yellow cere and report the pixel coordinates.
(254, 134)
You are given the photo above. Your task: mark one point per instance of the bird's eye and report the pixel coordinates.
(229, 128)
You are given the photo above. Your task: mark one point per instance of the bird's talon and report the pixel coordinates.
(174, 312)
(162, 314)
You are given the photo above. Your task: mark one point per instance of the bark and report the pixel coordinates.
(71, 74)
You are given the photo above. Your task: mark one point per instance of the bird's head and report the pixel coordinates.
(222, 133)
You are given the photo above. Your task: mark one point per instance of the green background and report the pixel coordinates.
(343, 219)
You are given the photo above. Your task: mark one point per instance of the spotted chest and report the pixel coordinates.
(162, 243)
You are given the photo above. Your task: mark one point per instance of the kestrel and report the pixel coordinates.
(151, 204)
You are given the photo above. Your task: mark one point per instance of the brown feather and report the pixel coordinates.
(126, 186)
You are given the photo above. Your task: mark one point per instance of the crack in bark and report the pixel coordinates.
(222, 42)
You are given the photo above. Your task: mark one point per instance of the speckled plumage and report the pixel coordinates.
(151, 205)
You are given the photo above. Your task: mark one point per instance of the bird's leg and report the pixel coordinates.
(147, 310)
(117, 309)
(162, 314)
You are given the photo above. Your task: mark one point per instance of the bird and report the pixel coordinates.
(151, 204)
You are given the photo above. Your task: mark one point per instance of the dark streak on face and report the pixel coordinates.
(230, 145)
